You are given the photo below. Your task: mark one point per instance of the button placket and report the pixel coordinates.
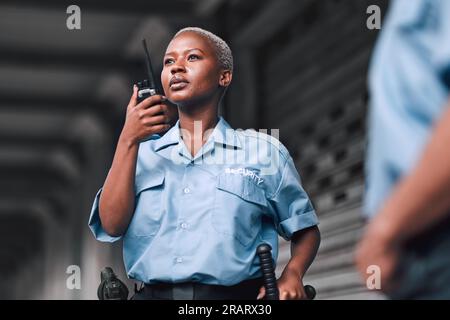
(182, 224)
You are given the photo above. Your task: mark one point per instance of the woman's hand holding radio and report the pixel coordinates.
(153, 115)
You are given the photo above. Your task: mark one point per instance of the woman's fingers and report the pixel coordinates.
(153, 120)
(159, 109)
(151, 101)
(159, 128)
(133, 99)
(261, 294)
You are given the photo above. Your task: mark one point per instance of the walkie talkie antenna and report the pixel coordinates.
(151, 79)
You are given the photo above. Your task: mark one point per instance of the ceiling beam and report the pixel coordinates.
(95, 63)
(70, 104)
(268, 21)
(29, 172)
(67, 106)
(208, 7)
(61, 161)
(45, 144)
(134, 7)
(53, 209)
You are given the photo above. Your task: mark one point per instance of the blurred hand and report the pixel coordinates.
(153, 115)
(377, 249)
(290, 286)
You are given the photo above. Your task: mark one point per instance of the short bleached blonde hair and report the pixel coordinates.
(223, 51)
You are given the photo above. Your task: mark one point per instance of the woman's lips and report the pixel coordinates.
(178, 85)
(177, 82)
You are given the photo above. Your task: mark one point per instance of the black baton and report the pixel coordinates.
(264, 252)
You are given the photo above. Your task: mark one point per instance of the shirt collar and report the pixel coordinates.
(222, 134)
(169, 138)
(225, 135)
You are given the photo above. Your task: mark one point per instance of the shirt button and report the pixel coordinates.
(184, 225)
(186, 190)
(179, 260)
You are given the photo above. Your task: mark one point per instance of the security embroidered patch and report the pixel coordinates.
(245, 173)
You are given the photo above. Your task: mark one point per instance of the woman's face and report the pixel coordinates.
(191, 72)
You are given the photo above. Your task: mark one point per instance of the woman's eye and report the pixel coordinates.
(193, 57)
(168, 61)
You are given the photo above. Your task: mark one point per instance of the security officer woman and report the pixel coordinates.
(193, 205)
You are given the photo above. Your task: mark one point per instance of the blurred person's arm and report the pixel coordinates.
(420, 201)
(116, 205)
(422, 198)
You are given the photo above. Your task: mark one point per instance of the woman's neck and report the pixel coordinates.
(196, 125)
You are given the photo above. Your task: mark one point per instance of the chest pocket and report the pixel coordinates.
(238, 209)
(147, 215)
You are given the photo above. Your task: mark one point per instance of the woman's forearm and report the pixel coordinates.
(304, 246)
(116, 205)
(143, 119)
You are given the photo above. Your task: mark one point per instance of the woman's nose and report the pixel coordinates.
(177, 67)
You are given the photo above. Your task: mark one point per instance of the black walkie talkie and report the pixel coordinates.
(147, 87)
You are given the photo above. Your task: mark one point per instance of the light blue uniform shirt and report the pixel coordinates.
(201, 218)
(409, 87)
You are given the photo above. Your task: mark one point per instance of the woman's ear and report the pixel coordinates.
(225, 78)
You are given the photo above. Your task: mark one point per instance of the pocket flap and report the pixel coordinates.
(242, 187)
(149, 180)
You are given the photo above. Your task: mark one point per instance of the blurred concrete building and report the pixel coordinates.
(300, 67)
